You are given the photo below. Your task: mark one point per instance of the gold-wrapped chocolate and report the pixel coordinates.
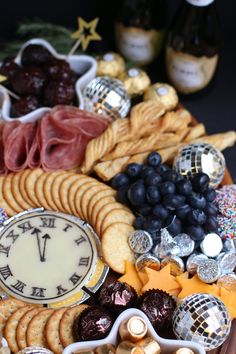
(183, 351)
(105, 349)
(84, 351)
(110, 64)
(127, 347)
(149, 345)
(133, 330)
(136, 81)
(163, 93)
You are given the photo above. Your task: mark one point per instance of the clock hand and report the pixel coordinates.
(36, 232)
(45, 237)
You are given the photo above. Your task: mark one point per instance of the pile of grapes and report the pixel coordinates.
(161, 197)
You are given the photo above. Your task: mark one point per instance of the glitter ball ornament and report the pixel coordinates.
(202, 318)
(200, 157)
(107, 96)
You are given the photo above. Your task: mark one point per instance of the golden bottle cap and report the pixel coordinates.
(127, 347)
(149, 345)
(134, 329)
(184, 351)
(105, 349)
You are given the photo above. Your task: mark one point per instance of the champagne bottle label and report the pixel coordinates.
(200, 2)
(189, 73)
(138, 45)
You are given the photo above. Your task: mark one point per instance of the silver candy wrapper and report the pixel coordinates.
(168, 247)
(107, 96)
(194, 261)
(185, 243)
(140, 241)
(211, 245)
(202, 318)
(176, 265)
(200, 157)
(229, 245)
(209, 271)
(35, 350)
(147, 260)
(227, 262)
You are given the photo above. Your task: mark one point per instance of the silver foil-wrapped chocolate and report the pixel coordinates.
(209, 271)
(227, 262)
(194, 261)
(176, 265)
(211, 245)
(167, 247)
(147, 260)
(140, 241)
(185, 243)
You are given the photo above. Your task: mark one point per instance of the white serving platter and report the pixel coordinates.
(168, 346)
(84, 65)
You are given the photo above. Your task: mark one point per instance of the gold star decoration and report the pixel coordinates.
(3, 78)
(86, 32)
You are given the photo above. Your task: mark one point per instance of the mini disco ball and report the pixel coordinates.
(202, 318)
(194, 158)
(107, 96)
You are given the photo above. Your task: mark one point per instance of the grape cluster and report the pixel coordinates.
(40, 80)
(161, 197)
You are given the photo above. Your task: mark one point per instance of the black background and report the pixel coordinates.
(216, 107)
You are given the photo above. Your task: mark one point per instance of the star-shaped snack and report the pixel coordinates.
(131, 277)
(192, 286)
(86, 32)
(162, 280)
(229, 299)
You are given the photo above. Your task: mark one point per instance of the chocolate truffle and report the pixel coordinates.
(118, 297)
(92, 324)
(158, 306)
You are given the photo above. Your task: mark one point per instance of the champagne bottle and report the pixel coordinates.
(193, 46)
(139, 29)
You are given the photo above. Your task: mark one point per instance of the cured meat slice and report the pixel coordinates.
(18, 142)
(3, 169)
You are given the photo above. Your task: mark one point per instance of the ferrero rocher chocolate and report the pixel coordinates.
(136, 81)
(110, 64)
(134, 329)
(163, 93)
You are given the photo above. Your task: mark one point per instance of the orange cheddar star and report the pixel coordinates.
(143, 277)
(193, 285)
(161, 280)
(131, 277)
(229, 299)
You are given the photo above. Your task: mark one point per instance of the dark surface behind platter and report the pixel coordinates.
(216, 107)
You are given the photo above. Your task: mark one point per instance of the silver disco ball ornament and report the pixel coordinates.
(107, 96)
(200, 157)
(202, 318)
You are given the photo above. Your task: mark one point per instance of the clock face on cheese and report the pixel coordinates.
(46, 256)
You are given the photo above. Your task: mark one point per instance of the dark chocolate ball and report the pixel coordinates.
(158, 307)
(29, 81)
(59, 93)
(24, 105)
(58, 69)
(118, 297)
(92, 324)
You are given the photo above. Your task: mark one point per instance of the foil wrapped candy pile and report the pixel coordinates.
(215, 260)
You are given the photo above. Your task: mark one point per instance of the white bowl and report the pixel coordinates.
(167, 345)
(84, 65)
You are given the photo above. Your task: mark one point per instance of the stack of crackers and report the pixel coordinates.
(150, 128)
(25, 325)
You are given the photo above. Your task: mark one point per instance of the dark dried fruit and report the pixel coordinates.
(29, 81)
(59, 92)
(24, 105)
(9, 68)
(58, 69)
(35, 54)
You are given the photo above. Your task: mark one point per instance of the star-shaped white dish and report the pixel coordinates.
(167, 345)
(84, 65)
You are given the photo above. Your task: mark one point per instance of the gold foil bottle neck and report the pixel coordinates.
(149, 345)
(134, 329)
(127, 347)
(105, 349)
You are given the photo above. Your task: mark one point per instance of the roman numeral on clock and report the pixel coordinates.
(13, 236)
(5, 272)
(19, 286)
(67, 227)
(48, 222)
(60, 290)
(75, 278)
(38, 292)
(25, 226)
(84, 261)
(80, 240)
(4, 249)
